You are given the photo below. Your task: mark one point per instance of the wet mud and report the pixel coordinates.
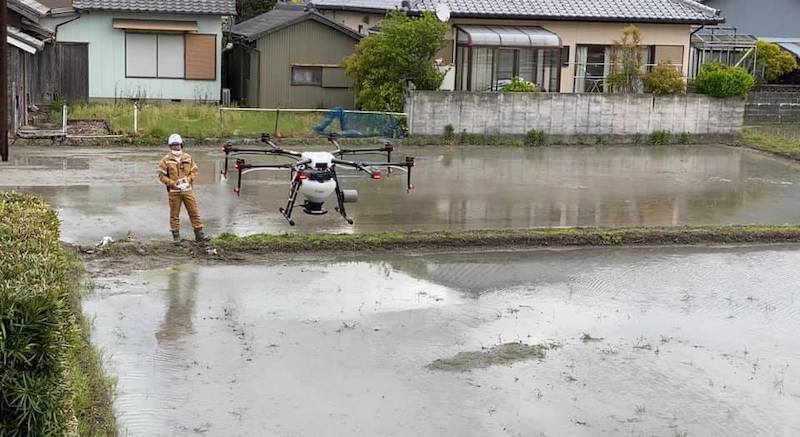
(651, 341)
(494, 356)
(113, 192)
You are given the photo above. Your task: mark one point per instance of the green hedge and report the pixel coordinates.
(718, 80)
(42, 344)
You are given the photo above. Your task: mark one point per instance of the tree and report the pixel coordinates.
(384, 63)
(627, 57)
(247, 9)
(775, 61)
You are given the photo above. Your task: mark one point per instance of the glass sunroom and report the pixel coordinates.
(488, 57)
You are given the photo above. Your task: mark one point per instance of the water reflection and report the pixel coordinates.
(181, 290)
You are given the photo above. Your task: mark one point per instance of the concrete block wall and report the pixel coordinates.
(571, 114)
(772, 107)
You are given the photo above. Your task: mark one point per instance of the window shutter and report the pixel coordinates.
(140, 55)
(170, 56)
(201, 57)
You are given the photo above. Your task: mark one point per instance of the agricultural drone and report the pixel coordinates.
(314, 174)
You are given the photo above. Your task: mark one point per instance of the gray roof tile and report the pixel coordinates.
(282, 15)
(204, 7)
(685, 11)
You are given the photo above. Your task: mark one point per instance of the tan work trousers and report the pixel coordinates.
(188, 200)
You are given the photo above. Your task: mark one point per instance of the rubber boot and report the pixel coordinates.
(176, 237)
(199, 236)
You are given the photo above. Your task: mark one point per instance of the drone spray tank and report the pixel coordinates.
(318, 182)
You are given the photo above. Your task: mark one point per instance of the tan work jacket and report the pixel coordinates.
(172, 168)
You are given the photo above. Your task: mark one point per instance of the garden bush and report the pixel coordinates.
(43, 350)
(664, 79)
(718, 80)
(519, 85)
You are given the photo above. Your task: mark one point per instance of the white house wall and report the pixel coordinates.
(107, 59)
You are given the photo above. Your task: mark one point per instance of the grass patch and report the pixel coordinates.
(544, 237)
(773, 139)
(92, 387)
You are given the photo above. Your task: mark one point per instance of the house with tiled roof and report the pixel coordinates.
(561, 45)
(290, 57)
(147, 49)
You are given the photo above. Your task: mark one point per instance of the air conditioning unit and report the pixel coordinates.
(226, 97)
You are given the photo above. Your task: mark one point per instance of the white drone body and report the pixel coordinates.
(316, 190)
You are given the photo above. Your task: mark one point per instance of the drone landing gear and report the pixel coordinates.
(340, 208)
(287, 212)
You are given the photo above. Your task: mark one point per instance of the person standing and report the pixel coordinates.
(178, 171)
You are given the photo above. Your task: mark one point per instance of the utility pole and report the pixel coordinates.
(3, 80)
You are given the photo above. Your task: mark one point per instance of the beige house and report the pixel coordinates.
(561, 45)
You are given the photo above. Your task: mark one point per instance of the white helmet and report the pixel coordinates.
(175, 139)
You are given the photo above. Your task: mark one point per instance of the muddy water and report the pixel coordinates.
(113, 192)
(645, 341)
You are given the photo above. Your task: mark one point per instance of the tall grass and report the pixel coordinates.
(157, 121)
(779, 139)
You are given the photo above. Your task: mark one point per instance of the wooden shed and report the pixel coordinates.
(290, 57)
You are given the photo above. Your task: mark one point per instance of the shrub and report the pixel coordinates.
(35, 396)
(535, 137)
(660, 137)
(48, 374)
(449, 135)
(519, 85)
(685, 138)
(718, 80)
(664, 79)
(775, 61)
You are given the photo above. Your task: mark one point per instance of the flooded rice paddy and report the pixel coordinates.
(629, 341)
(100, 192)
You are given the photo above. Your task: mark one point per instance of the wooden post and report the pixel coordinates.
(3, 80)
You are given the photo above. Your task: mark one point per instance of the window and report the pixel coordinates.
(141, 55)
(303, 75)
(489, 69)
(593, 63)
(170, 56)
(668, 55)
